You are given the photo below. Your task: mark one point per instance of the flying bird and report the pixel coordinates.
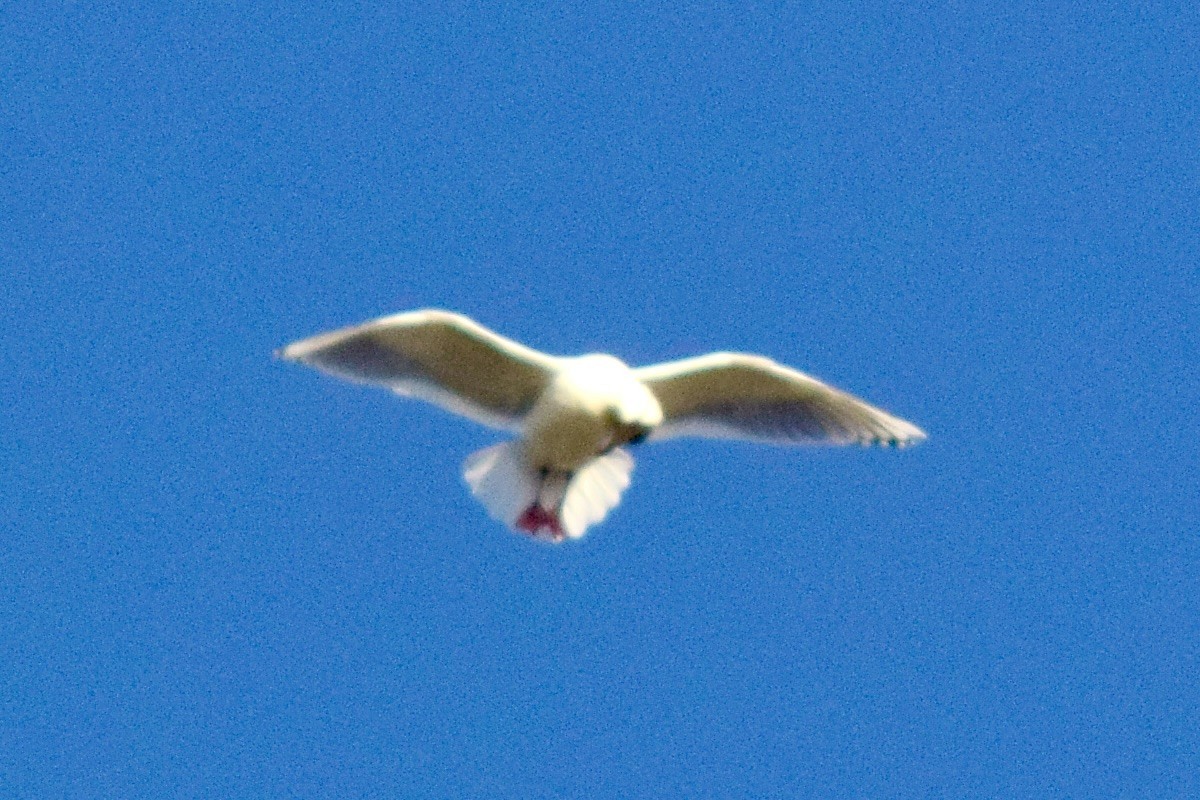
(575, 416)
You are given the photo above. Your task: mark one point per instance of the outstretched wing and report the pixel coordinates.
(437, 356)
(738, 396)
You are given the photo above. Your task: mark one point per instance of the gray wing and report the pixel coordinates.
(738, 396)
(437, 356)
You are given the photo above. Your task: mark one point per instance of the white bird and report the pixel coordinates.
(568, 467)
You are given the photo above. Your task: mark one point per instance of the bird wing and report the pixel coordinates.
(443, 358)
(739, 396)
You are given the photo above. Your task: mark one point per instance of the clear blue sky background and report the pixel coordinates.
(225, 576)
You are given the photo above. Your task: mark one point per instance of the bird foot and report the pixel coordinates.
(535, 518)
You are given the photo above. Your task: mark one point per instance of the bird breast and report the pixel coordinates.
(591, 406)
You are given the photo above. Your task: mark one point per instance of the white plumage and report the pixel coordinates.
(568, 468)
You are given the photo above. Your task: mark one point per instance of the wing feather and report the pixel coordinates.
(443, 358)
(740, 396)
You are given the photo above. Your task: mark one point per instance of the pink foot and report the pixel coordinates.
(534, 518)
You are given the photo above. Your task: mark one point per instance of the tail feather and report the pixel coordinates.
(498, 476)
(595, 490)
(556, 505)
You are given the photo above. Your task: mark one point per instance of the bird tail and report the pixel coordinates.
(500, 479)
(553, 506)
(595, 490)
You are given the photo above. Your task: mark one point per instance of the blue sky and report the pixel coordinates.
(226, 576)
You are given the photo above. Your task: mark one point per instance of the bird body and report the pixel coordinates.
(593, 404)
(569, 466)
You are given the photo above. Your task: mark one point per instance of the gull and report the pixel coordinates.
(574, 416)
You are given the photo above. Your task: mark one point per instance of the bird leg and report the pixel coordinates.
(543, 513)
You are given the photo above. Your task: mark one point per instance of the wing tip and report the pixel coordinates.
(299, 351)
(285, 353)
(905, 435)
